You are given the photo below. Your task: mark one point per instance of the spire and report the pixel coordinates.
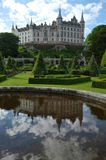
(59, 13)
(12, 26)
(31, 22)
(82, 18)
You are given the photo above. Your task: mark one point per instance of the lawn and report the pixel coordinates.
(21, 79)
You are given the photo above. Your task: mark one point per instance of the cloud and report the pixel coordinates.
(46, 10)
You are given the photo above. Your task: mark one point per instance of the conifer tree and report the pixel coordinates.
(62, 65)
(93, 67)
(39, 66)
(11, 64)
(103, 61)
(2, 68)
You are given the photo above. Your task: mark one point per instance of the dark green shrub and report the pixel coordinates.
(62, 65)
(56, 71)
(39, 66)
(2, 67)
(99, 84)
(103, 61)
(93, 67)
(59, 81)
(2, 78)
(11, 64)
(27, 67)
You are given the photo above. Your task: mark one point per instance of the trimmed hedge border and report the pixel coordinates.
(2, 78)
(65, 81)
(99, 84)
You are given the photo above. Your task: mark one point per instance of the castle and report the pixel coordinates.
(59, 32)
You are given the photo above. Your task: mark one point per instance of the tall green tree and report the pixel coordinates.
(103, 61)
(11, 64)
(39, 68)
(2, 67)
(62, 65)
(9, 44)
(96, 41)
(93, 66)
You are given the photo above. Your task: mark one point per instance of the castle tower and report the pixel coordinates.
(82, 23)
(59, 18)
(12, 28)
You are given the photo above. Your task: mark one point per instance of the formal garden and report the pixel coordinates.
(85, 68)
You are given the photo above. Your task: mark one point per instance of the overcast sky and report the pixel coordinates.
(20, 12)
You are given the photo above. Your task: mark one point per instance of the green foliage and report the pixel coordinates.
(2, 78)
(96, 41)
(39, 66)
(73, 65)
(2, 67)
(61, 81)
(11, 64)
(93, 67)
(62, 65)
(99, 84)
(103, 61)
(27, 67)
(9, 44)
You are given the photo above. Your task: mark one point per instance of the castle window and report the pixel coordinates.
(67, 34)
(71, 34)
(61, 33)
(64, 34)
(64, 28)
(74, 35)
(71, 29)
(38, 39)
(68, 28)
(77, 35)
(74, 29)
(52, 34)
(38, 34)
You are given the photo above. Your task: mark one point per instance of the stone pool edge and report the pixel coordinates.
(63, 91)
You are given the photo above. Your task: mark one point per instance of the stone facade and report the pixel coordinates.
(59, 32)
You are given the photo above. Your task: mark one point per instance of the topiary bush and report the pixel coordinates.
(59, 81)
(99, 84)
(39, 68)
(93, 67)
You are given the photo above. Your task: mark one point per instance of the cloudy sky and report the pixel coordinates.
(20, 12)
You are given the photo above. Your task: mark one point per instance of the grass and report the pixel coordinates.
(21, 79)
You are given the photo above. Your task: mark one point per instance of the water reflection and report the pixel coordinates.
(51, 127)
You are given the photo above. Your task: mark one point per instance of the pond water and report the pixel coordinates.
(50, 127)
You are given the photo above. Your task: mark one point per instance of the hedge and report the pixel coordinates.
(99, 84)
(62, 81)
(2, 78)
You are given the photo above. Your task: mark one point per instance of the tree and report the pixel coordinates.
(2, 68)
(11, 64)
(93, 67)
(9, 44)
(103, 61)
(96, 41)
(39, 66)
(62, 65)
(71, 66)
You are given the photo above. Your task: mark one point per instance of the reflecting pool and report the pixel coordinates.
(50, 127)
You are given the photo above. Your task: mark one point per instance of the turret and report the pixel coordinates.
(59, 18)
(82, 22)
(13, 28)
(31, 23)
